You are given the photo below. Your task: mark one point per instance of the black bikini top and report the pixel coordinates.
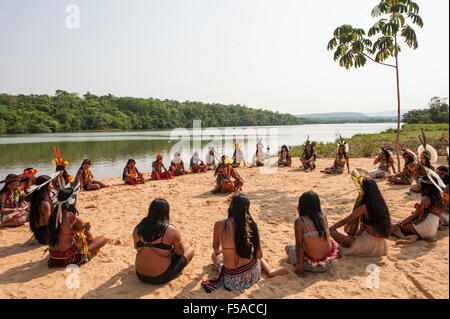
(159, 245)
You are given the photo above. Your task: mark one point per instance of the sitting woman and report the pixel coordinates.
(131, 175)
(197, 165)
(13, 210)
(374, 227)
(161, 255)
(157, 169)
(284, 157)
(425, 162)
(308, 157)
(313, 251)
(423, 223)
(40, 207)
(386, 162)
(405, 176)
(27, 179)
(340, 160)
(443, 173)
(241, 257)
(211, 160)
(69, 239)
(87, 179)
(224, 172)
(177, 166)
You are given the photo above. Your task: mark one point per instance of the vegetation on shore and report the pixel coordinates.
(68, 112)
(367, 145)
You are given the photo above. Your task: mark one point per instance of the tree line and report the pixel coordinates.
(435, 113)
(69, 112)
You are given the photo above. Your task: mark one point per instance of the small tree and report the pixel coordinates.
(353, 48)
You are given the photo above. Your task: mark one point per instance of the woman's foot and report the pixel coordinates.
(280, 271)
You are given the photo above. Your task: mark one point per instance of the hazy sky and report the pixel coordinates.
(261, 53)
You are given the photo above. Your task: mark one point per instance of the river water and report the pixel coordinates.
(109, 151)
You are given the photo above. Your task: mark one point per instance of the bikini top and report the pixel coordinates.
(310, 233)
(159, 245)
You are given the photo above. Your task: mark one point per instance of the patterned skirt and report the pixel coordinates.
(367, 245)
(233, 279)
(314, 265)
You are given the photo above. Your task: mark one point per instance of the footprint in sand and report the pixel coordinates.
(115, 242)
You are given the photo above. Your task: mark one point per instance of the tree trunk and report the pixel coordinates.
(398, 104)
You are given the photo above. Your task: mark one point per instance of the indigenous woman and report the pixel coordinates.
(87, 179)
(237, 254)
(69, 239)
(177, 166)
(131, 175)
(405, 176)
(28, 179)
(238, 155)
(40, 207)
(340, 160)
(224, 172)
(197, 165)
(424, 164)
(258, 158)
(423, 223)
(157, 169)
(284, 157)
(308, 157)
(313, 251)
(13, 211)
(64, 178)
(161, 254)
(211, 160)
(386, 162)
(443, 173)
(368, 225)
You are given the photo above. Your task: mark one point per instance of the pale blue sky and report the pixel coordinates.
(261, 53)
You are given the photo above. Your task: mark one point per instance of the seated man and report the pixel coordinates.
(224, 172)
(284, 157)
(177, 166)
(13, 211)
(197, 165)
(131, 175)
(158, 166)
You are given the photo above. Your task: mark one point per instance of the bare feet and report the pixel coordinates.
(280, 271)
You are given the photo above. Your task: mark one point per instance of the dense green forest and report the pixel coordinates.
(68, 112)
(435, 113)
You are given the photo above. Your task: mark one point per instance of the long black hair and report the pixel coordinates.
(38, 196)
(344, 153)
(10, 176)
(387, 155)
(287, 149)
(309, 206)
(154, 225)
(379, 217)
(431, 191)
(240, 214)
(131, 161)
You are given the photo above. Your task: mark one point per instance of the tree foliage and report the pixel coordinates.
(68, 112)
(436, 113)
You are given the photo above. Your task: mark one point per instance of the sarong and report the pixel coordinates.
(377, 171)
(314, 265)
(367, 245)
(160, 176)
(13, 219)
(61, 259)
(428, 228)
(232, 279)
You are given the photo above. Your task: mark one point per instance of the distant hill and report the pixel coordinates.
(343, 117)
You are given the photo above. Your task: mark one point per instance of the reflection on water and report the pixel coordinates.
(110, 150)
